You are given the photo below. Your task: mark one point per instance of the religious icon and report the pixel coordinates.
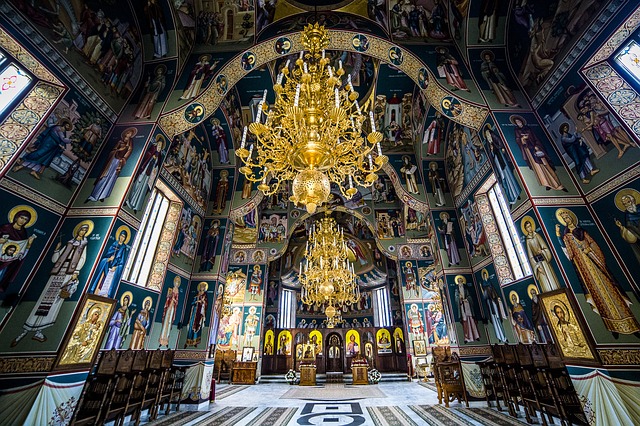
(566, 326)
(494, 304)
(383, 339)
(198, 316)
(627, 200)
(82, 344)
(539, 256)
(147, 172)
(601, 289)
(409, 171)
(111, 264)
(63, 281)
(15, 242)
(419, 348)
(268, 343)
(465, 309)
(120, 323)
(284, 343)
(116, 160)
(169, 312)
(251, 323)
(535, 155)
(353, 343)
(141, 325)
(521, 323)
(448, 235)
(255, 283)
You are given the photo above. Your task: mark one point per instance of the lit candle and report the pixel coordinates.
(349, 83)
(286, 65)
(358, 108)
(340, 64)
(370, 162)
(304, 66)
(259, 114)
(322, 53)
(264, 96)
(337, 95)
(250, 150)
(353, 124)
(379, 149)
(330, 71)
(350, 186)
(297, 98)
(373, 122)
(279, 79)
(302, 54)
(244, 137)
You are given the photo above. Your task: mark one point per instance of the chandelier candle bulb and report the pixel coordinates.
(337, 96)
(322, 53)
(379, 149)
(259, 113)
(373, 122)
(244, 137)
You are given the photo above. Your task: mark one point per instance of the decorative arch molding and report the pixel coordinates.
(355, 213)
(20, 124)
(466, 113)
(402, 193)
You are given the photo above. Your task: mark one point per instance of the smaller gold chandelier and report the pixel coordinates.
(314, 133)
(326, 275)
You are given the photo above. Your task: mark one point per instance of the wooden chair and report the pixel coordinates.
(452, 381)
(570, 408)
(440, 354)
(167, 382)
(139, 378)
(488, 372)
(525, 375)
(96, 390)
(506, 363)
(152, 392)
(119, 396)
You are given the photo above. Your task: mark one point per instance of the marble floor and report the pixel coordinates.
(337, 411)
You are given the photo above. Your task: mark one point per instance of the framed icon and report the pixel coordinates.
(82, 342)
(419, 348)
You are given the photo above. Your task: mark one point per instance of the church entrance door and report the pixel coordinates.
(335, 353)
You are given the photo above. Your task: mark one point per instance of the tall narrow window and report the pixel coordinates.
(629, 59)
(144, 247)
(515, 252)
(287, 312)
(13, 81)
(381, 307)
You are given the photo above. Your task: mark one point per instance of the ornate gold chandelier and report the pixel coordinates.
(314, 133)
(326, 275)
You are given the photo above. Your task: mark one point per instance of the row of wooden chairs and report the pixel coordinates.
(447, 372)
(535, 377)
(127, 383)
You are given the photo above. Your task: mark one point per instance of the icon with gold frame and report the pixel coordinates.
(82, 341)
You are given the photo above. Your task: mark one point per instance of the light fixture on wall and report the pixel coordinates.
(315, 132)
(327, 277)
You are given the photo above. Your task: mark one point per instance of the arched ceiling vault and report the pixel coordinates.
(468, 114)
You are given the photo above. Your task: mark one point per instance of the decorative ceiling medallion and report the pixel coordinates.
(248, 61)
(360, 43)
(395, 56)
(194, 113)
(282, 46)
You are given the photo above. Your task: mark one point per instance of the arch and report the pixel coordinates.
(470, 115)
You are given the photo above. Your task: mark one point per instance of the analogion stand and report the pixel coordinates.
(308, 365)
(359, 369)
